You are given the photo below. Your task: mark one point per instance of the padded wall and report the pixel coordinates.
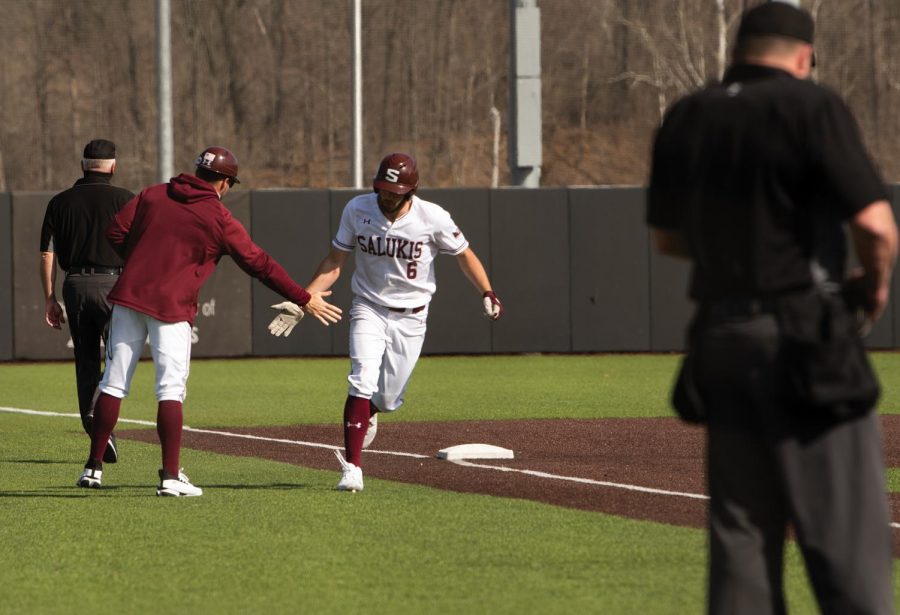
(530, 263)
(575, 268)
(670, 308)
(456, 323)
(294, 227)
(33, 339)
(609, 267)
(6, 298)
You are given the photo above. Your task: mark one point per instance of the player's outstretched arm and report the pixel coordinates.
(473, 269)
(328, 271)
(290, 313)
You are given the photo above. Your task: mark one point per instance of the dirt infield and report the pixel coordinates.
(650, 469)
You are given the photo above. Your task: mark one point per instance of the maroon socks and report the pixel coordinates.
(106, 414)
(169, 421)
(356, 422)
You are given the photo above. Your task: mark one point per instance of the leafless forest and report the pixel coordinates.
(271, 80)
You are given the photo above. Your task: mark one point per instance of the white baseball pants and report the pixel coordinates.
(170, 346)
(384, 348)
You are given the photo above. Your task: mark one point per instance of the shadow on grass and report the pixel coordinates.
(38, 461)
(74, 491)
(39, 494)
(272, 486)
(132, 491)
(58, 492)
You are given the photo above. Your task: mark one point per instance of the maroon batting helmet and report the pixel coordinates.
(397, 173)
(219, 160)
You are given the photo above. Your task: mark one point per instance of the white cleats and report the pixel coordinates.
(351, 477)
(176, 486)
(90, 478)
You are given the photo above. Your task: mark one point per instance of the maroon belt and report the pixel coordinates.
(414, 310)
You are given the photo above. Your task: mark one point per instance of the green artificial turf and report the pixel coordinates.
(893, 480)
(269, 536)
(290, 391)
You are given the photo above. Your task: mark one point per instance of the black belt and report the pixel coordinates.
(94, 271)
(737, 307)
(414, 310)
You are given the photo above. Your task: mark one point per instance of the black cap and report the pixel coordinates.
(100, 149)
(775, 18)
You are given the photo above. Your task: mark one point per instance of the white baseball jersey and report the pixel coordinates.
(394, 259)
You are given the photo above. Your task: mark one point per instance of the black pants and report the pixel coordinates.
(88, 312)
(768, 469)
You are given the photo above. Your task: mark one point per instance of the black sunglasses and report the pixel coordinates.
(231, 182)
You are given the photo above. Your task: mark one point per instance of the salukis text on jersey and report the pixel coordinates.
(393, 247)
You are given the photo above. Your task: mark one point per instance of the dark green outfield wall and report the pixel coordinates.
(574, 267)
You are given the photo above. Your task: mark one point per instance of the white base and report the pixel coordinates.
(474, 451)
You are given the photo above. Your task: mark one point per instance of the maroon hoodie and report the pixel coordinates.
(172, 237)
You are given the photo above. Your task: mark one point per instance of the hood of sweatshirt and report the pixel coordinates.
(189, 189)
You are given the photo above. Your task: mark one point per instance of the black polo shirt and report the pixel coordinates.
(76, 220)
(759, 173)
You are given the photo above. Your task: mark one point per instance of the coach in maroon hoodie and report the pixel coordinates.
(172, 237)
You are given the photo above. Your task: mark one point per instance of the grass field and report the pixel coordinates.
(269, 536)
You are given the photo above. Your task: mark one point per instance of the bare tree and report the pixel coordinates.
(270, 78)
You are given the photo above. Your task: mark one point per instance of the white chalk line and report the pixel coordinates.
(204, 431)
(586, 481)
(536, 473)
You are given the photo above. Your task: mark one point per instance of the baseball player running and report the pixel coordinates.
(172, 236)
(396, 236)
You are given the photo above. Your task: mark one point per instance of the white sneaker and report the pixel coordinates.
(351, 479)
(90, 478)
(176, 486)
(373, 429)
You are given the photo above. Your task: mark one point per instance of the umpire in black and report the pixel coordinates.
(753, 180)
(73, 235)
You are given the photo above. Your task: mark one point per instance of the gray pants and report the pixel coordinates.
(88, 311)
(769, 469)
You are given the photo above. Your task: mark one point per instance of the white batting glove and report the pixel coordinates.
(288, 316)
(492, 306)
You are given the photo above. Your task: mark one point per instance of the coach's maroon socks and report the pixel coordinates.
(356, 422)
(106, 414)
(169, 423)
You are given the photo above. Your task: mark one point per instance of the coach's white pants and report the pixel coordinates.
(384, 348)
(170, 346)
